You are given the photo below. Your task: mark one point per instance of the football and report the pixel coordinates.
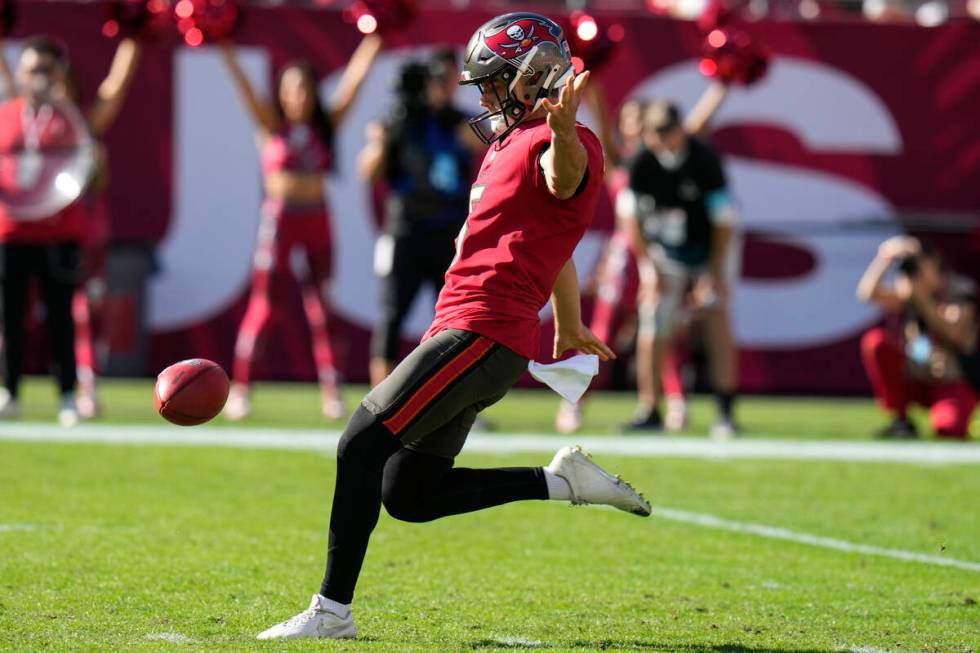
(191, 392)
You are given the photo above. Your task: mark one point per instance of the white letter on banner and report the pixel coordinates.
(206, 256)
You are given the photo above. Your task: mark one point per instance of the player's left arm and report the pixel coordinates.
(114, 88)
(722, 235)
(723, 216)
(570, 332)
(565, 162)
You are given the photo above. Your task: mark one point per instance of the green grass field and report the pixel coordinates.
(290, 405)
(140, 548)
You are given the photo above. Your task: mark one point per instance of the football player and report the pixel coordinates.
(532, 202)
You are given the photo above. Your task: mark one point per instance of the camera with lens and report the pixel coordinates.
(909, 265)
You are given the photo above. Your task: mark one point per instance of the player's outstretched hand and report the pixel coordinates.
(582, 339)
(561, 116)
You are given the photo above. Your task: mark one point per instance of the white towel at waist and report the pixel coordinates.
(570, 378)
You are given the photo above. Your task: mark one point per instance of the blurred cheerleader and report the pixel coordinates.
(296, 134)
(89, 299)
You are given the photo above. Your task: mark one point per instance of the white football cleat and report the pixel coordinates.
(68, 411)
(9, 407)
(723, 430)
(315, 621)
(592, 484)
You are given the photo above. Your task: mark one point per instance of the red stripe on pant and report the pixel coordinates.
(434, 386)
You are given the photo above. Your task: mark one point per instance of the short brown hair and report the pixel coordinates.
(661, 116)
(47, 46)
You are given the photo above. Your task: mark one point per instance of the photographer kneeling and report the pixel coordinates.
(933, 360)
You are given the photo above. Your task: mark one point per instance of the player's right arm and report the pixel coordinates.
(261, 112)
(871, 287)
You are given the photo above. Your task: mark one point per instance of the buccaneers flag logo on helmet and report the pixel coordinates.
(520, 36)
(517, 60)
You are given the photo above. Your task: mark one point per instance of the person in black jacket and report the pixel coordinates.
(423, 152)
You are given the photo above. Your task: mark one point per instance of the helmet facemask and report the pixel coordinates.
(519, 87)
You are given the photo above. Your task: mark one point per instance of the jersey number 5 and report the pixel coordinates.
(476, 192)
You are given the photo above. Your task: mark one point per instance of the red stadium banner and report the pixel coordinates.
(856, 129)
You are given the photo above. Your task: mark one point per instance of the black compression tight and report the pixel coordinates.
(373, 468)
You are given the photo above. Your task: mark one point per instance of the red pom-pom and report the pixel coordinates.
(380, 15)
(202, 21)
(717, 14)
(722, 13)
(730, 54)
(733, 57)
(591, 42)
(136, 18)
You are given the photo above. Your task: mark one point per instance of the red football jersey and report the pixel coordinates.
(516, 240)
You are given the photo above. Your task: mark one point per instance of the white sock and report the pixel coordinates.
(558, 488)
(339, 609)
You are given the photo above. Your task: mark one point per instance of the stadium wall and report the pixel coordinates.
(858, 132)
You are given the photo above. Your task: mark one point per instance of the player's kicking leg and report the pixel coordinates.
(399, 448)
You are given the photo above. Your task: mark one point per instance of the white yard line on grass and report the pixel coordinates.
(931, 453)
(312, 440)
(7, 528)
(776, 533)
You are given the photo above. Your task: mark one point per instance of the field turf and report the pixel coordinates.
(289, 405)
(147, 548)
